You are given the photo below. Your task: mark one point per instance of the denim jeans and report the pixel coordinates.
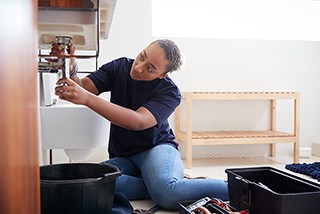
(158, 174)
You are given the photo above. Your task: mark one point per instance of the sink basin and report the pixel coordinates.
(75, 128)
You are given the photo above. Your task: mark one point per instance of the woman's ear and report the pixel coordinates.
(163, 76)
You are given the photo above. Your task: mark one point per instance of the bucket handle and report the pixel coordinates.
(110, 176)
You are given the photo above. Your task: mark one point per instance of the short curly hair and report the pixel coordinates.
(172, 53)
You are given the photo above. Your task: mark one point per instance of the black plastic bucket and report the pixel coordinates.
(75, 188)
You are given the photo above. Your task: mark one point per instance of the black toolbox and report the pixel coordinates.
(266, 190)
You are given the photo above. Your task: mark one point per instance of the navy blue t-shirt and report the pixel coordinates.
(159, 96)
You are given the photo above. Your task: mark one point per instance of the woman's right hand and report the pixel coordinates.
(57, 50)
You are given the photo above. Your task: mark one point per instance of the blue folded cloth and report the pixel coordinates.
(311, 169)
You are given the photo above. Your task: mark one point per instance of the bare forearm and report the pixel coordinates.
(139, 119)
(120, 116)
(77, 80)
(85, 83)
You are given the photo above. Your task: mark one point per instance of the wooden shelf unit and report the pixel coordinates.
(272, 136)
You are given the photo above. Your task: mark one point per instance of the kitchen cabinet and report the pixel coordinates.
(19, 143)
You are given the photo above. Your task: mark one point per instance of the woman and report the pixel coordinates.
(141, 142)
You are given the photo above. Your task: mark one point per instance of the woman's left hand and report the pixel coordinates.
(70, 91)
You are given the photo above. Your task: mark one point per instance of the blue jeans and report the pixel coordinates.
(158, 174)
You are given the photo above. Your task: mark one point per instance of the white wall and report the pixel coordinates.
(228, 65)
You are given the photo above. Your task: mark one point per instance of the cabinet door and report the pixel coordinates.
(19, 165)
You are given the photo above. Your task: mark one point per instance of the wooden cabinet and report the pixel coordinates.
(19, 144)
(272, 136)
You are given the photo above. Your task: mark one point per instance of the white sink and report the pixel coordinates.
(75, 128)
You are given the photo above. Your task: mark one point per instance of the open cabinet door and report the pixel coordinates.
(19, 153)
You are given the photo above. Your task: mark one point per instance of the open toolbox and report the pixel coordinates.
(266, 190)
(207, 205)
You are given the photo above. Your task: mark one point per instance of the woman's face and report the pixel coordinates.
(150, 64)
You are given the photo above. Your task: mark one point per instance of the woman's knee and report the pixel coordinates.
(166, 201)
(165, 196)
